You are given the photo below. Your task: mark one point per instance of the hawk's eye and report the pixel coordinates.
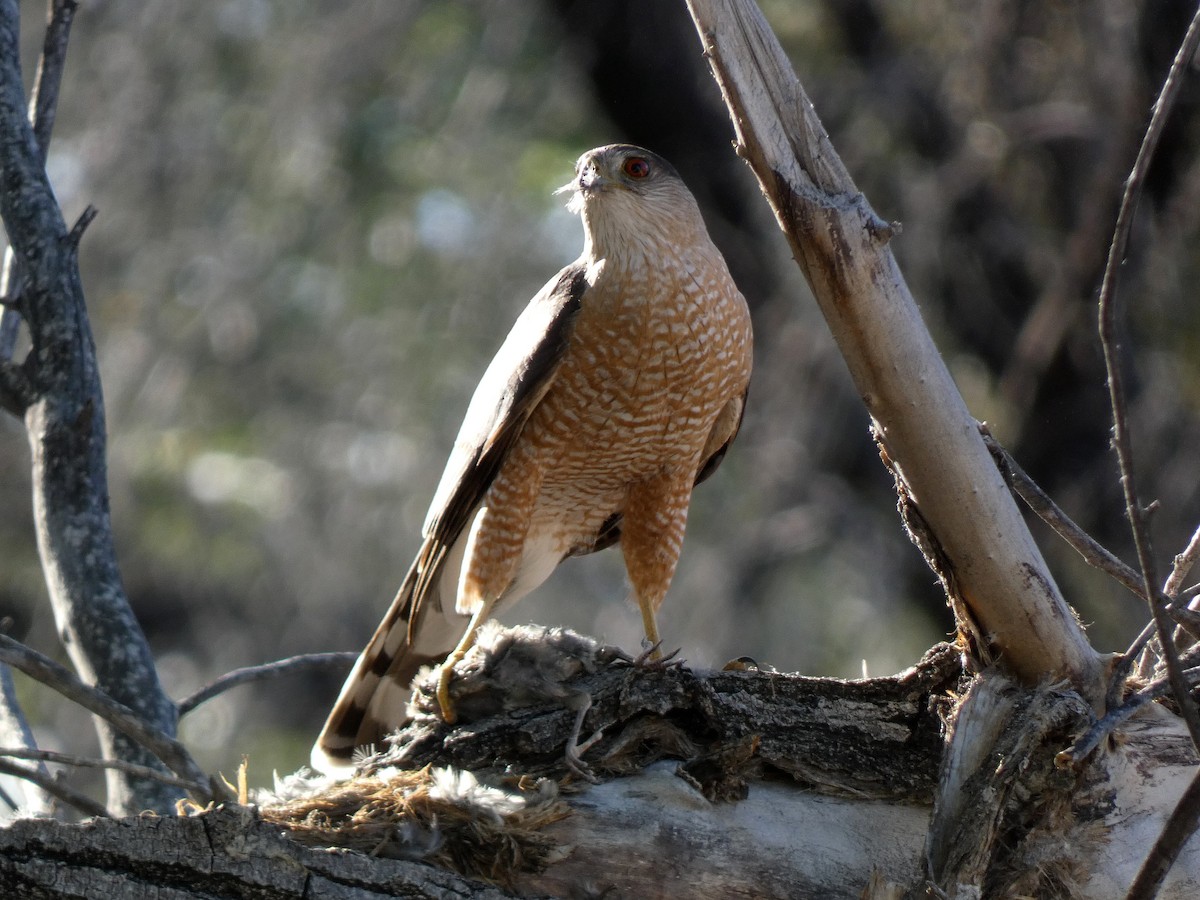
(636, 167)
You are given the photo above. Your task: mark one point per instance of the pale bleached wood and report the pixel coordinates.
(655, 836)
(1004, 595)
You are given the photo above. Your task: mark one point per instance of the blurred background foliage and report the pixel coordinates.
(318, 220)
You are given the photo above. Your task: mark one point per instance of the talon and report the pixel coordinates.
(651, 657)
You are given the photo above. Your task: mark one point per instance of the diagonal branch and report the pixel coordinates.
(65, 682)
(55, 788)
(994, 574)
(1093, 553)
(84, 762)
(1182, 565)
(335, 662)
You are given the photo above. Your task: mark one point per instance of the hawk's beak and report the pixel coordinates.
(589, 181)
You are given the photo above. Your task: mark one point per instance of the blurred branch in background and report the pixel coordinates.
(337, 663)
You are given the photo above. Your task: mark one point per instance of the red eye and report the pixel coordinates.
(636, 167)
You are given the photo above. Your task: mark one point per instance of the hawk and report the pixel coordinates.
(619, 388)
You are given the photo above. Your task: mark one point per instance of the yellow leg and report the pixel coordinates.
(650, 627)
(468, 641)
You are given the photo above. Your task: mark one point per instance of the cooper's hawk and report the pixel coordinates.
(619, 388)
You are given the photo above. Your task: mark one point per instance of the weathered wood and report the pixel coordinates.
(225, 853)
(732, 784)
(971, 529)
(876, 738)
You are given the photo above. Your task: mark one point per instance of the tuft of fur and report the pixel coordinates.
(512, 668)
(441, 815)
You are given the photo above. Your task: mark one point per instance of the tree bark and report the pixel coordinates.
(226, 853)
(64, 416)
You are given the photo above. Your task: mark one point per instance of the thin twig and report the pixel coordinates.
(55, 788)
(85, 219)
(1104, 726)
(1122, 440)
(87, 762)
(1180, 569)
(43, 102)
(43, 105)
(337, 661)
(1183, 566)
(1093, 553)
(173, 754)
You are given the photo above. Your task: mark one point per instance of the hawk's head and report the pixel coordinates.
(629, 194)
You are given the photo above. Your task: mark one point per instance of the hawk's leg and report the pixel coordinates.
(447, 672)
(493, 554)
(651, 538)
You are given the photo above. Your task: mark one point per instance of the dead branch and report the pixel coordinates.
(84, 762)
(336, 662)
(95, 701)
(43, 107)
(55, 788)
(1000, 587)
(1093, 553)
(1122, 441)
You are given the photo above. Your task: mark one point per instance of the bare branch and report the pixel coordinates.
(43, 106)
(43, 102)
(993, 571)
(1182, 566)
(1188, 619)
(1093, 553)
(1122, 440)
(334, 662)
(1116, 715)
(85, 219)
(85, 762)
(68, 439)
(56, 788)
(65, 682)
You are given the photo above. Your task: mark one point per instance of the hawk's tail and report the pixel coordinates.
(415, 632)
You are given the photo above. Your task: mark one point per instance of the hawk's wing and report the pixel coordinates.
(421, 627)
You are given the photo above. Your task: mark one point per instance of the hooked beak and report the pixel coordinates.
(589, 181)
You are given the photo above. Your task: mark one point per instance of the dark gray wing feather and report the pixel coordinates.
(421, 627)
